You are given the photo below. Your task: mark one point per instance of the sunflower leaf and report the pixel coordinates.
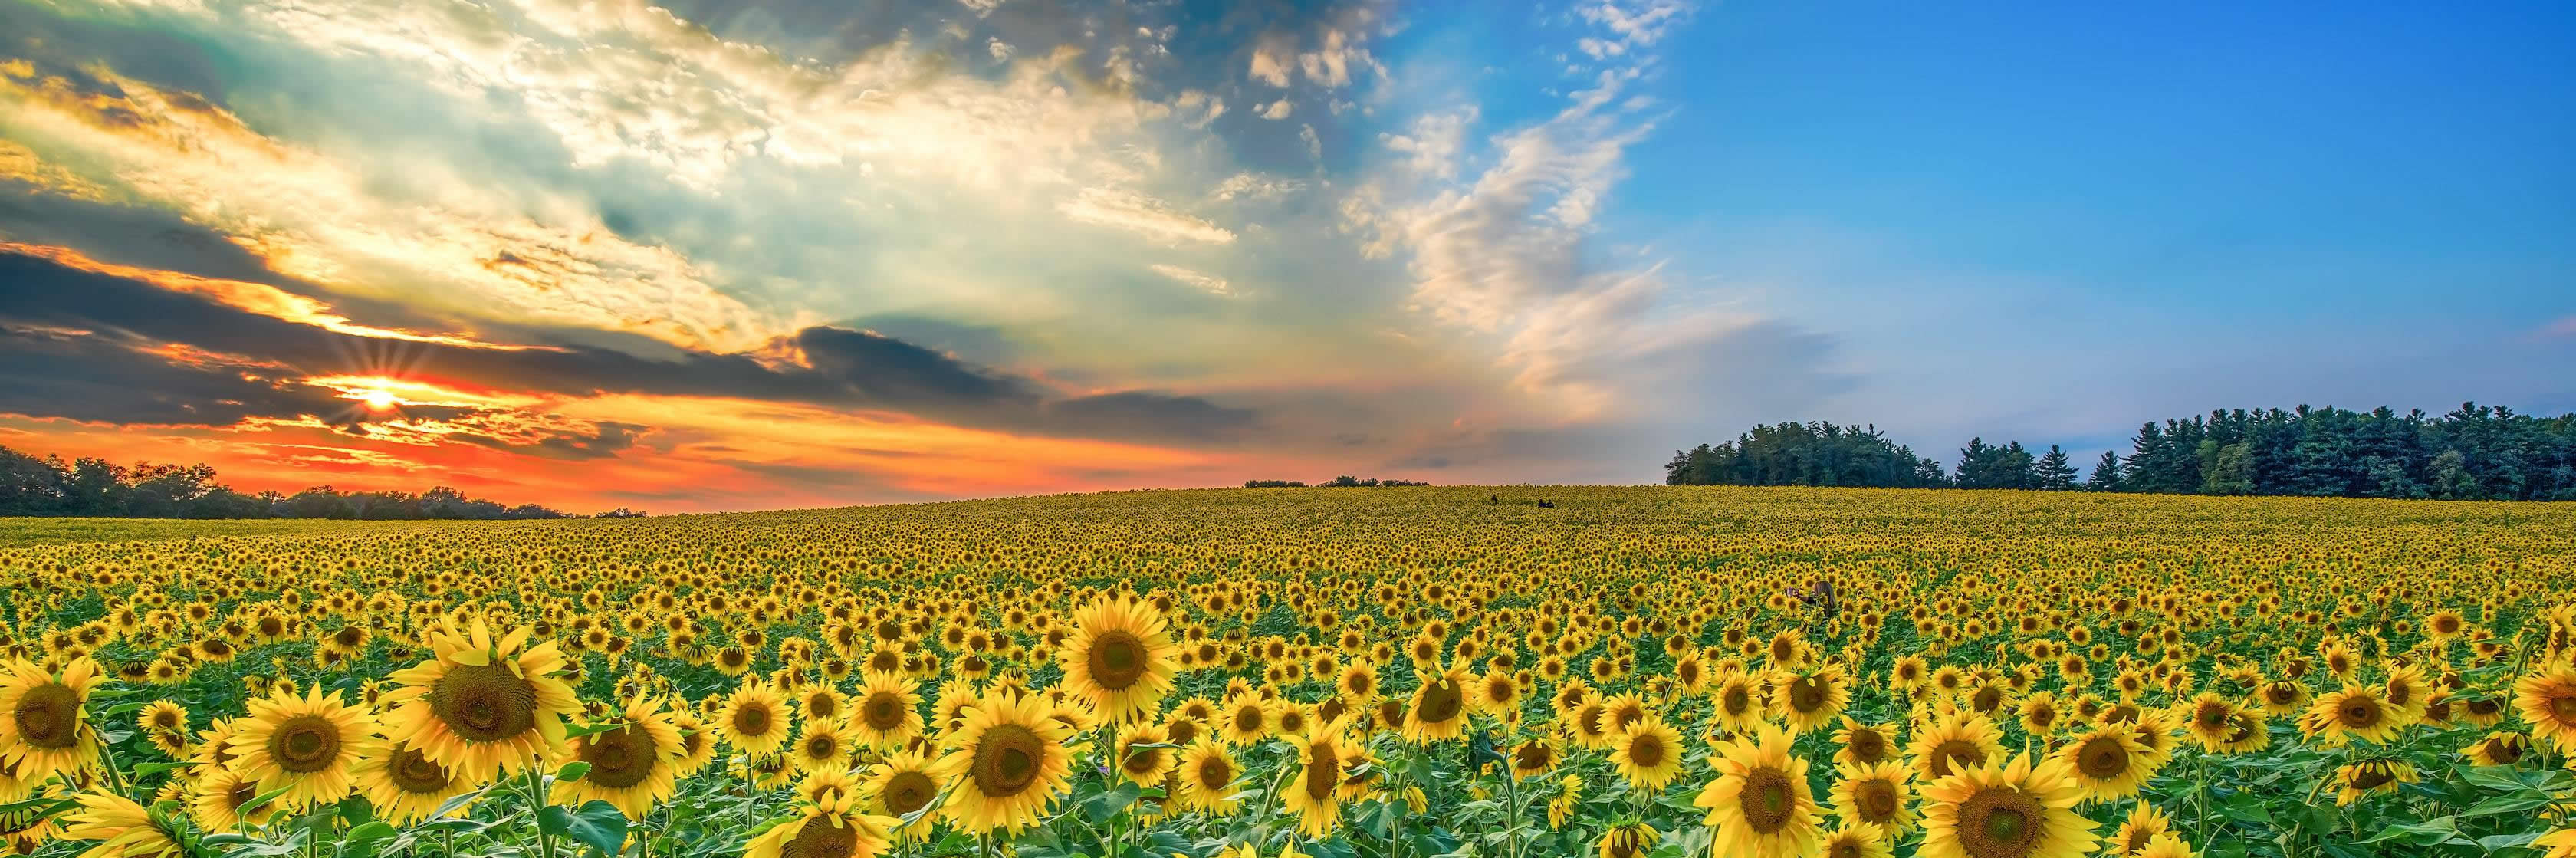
(592, 729)
(571, 772)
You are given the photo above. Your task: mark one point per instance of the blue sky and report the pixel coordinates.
(796, 252)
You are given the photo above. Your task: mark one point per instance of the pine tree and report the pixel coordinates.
(2106, 474)
(2053, 472)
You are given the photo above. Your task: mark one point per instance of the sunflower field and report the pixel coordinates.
(1388, 673)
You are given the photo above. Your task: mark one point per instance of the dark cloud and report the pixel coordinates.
(603, 441)
(848, 369)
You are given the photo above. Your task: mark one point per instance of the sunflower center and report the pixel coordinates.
(1531, 757)
(2503, 752)
(1215, 774)
(2358, 713)
(1737, 700)
(484, 703)
(1766, 800)
(1868, 746)
(48, 716)
(2102, 758)
(2280, 694)
(1441, 702)
(1183, 731)
(822, 706)
(1117, 660)
(2211, 716)
(2562, 708)
(1247, 720)
(1323, 770)
(1956, 753)
(2000, 823)
(1006, 760)
(822, 746)
(2241, 729)
(1877, 800)
(413, 772)
(884, 711)
(1144, 762)
(1646, 751)
(1844, 849)
(752, 720)
(1806, 694)
(619, 758)
(821, 839)
(305, 743)
(907, 791)
(2372, 777)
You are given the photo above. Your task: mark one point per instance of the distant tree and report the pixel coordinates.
(48, 486)
(2106, 474)
(2054, 472)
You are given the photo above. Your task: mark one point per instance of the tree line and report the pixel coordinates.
(2472, 453)
(49, 486)
(1343, 481)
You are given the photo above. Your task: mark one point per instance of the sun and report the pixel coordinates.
(378, 400)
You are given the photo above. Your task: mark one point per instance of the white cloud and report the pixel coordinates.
(1142, 215)
(1208, 283)
(1437, 140)
(1277, 109)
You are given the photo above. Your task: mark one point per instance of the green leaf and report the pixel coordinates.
(149, 769)
(262, 800)
(571, 772)
(361, 841)
(593, 729)
(2515, 803)
(599, 824)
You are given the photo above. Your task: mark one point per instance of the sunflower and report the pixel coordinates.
(164, 717)
(303, 745)
(1808, 701)
(1439, 707)
(1584, 724)
(828, 784)
(482, 707)
(697, 743)
(1246, 719)
(1875, 794)
(2247, 731)
(2356, 780)
(1856, 840)
(2546, 700)
(2283, 697)
(1144, 767)
(2040, 716)
(753, 720)
(1648, 754)
(403, 784)
(1316, 795)
(2356, 711)
(1009, 762)
(1534, 757)
(821, 703)
(832, 828)
(2013, 809)
(1207, 775)
(1865, 744)
(125, 829)
(2106, 762)
(46, 732)
(1740, 701)
(2145, 822)
(1119, 658)
(1760, 802)
(631, 766)
(23, 831)
(900, 786)
(2210, 719)
(1498, 694)
(823, 745)
(2501, 748)
(2166, 845)
(1954, 742)
(2407, 694)
(1633, 840)
(216, 802)
(886, 711)
(2560, 843)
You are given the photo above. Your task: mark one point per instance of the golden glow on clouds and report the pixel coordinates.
(259, 298)
(453, 244)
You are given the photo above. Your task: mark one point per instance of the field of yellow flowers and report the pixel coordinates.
(1390, 673)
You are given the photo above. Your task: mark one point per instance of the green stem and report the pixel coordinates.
(536, 808)
(1512, 810)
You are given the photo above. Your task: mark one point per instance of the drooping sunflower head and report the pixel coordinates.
(2370, 777)
(1439, 707)
(1534, 757)
(1633, 840)
(2501, 748)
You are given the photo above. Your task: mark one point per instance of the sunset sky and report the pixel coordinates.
(783, 253)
